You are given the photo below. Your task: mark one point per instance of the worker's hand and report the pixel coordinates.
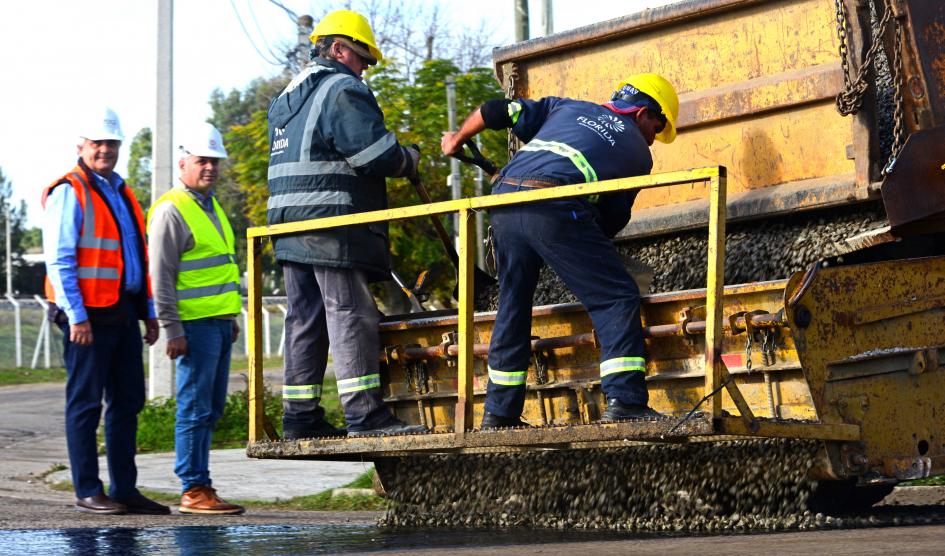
(449, 143)
(176, 347)
(151, 331)
(236, 331)
(413, 156)
(81, 333)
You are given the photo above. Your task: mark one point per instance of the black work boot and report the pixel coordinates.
(492, 421)
(321, 429)
(389, 427)
(617, 411)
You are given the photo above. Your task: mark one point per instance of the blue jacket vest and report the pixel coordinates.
(329, 155)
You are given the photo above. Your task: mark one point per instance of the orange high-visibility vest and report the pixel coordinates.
(98, 253)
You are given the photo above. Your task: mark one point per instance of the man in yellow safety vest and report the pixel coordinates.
(197, 297)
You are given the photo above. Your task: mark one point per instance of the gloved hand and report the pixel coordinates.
(413, 160)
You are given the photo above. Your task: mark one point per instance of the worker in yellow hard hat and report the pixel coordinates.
(330, 153)
(570, 141)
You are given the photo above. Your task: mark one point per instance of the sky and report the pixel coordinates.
(61, 58)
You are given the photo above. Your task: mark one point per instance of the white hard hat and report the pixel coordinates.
(103, 125)
(202, 140)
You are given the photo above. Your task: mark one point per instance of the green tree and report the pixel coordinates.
(26, 279)
(416, 110)
(32, 238)
(241, 191)
(139, 168)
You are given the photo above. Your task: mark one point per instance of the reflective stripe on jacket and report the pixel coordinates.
(208, 277)
(99, 260)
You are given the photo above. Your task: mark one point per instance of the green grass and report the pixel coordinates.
(322, 501)
(31, 320)
(23, 375)
(936, 480)
(156, 421)
(241, 363)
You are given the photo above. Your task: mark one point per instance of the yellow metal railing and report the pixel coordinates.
(715, 176)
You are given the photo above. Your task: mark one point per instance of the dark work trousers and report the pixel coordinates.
(562, 234)
(111, 365)
(306, 349)
(331, 305)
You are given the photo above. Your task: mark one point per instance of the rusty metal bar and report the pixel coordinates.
(444, 351)
(254, 338)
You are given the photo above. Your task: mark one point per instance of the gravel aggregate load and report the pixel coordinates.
(699, 487)
(755, 251)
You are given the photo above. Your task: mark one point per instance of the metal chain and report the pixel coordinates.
(850, 100)
(748, 346)
(842, 39)
(899, 127)
(851, 97)
(767, 347)
(510, 94)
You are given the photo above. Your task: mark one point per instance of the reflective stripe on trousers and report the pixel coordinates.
(507, 378)
(359, 383)
(622, 365)
(302, 392)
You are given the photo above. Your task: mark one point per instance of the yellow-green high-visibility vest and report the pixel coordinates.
(208, 278)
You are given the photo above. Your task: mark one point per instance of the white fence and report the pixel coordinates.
(26, 332)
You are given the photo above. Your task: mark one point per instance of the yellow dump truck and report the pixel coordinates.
(846, 354)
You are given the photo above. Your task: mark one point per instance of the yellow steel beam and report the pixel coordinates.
(466, 333)
(490, 201)
(466, 209)
(254, 337)
(714, 291)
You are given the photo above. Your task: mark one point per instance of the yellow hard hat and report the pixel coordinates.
(662, 91)
(348, 24)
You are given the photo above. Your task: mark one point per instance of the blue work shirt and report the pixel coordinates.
(572, 141)
(62, 227)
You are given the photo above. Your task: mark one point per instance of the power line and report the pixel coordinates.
(250, 38)
(252, 14)
(288, 12)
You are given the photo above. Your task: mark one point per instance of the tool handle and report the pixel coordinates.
(440, 229)
(476, 158)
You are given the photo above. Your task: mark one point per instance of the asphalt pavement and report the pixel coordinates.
(32, 440)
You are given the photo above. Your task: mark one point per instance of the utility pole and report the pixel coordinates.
(160, 367)
(7, 215)
(454, 163)
(521, 20)
(480, 216)
(17, 321)
(303, 52)
(547, 18)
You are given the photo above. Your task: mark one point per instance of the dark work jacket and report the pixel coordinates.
(329, 155)
(572, 141)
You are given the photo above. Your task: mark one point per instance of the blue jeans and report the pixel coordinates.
(564, 235)
(202, 377)
(110, 366)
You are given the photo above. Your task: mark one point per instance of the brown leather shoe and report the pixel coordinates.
(141, 504)
(100, 504)
(204, 500)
